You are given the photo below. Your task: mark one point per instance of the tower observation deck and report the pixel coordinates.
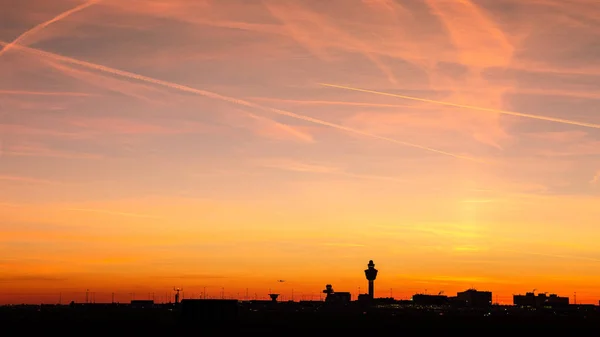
(371, 274)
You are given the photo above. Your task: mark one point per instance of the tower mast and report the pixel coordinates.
(177, 290)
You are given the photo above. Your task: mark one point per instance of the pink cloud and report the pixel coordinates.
(22, 179)
(565, 143)
(40, 150)
(25, 130)
(596, 178)
(266, 127)
(106, 125)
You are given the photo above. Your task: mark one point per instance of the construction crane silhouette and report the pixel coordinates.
(177, 294)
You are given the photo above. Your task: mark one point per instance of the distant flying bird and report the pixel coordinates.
(281, 281)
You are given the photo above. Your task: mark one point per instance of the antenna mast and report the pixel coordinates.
(177, 290)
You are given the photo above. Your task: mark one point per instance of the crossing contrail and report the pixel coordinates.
(45, 24)
(233, 100)
(470, 107)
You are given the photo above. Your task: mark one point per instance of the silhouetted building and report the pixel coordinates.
(209, 310)
(371, 274)
(556, 301)
(426, 300)
(364, 297)
(540, 301)
(455, 302)
(475, 299)
(385, 301)
(336, 297)
(142, 304)
(527, 300)
(342, 297)
(262, 304)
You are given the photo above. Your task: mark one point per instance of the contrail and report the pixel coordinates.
(228, 99)
(375, 105)
(43, 93)
(471, 107)
(46, 24)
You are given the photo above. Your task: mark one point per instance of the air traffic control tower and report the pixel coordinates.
(371, 274)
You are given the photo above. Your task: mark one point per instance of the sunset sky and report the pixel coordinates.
(228, 144)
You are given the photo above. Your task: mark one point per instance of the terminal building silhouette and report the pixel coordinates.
(530, 300)
(475, 299)
(470, 298)
(336, 297)
(430, 300)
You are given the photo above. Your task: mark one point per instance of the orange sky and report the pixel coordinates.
(147, 144)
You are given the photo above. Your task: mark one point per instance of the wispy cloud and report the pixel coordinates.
(274, 129)
(31, 278)
(26, 130)
(472, 280)
(196, 276)
(489, 44)
(233, 100)
(596, 178)
(478, 201)
(109, 212)
(21, 179)
(293, 165)
(39, 150)
(343, 244)
(296, 21)
(467, 249)
(376, 177)
(44, 93)
(297, 166)
(11, 205)
(100, 126)
(453, 232)
(560, 256)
